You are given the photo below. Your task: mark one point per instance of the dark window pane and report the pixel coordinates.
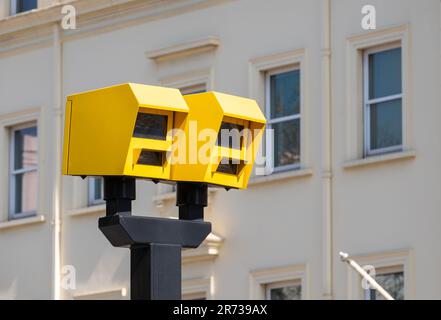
(97, 188)
(229, 135)
(285, 94)
(286, 142)
(25, 192)
(385, 73)
(25, 148)
(26, 5)
(152, 158)
(228, 166)
(150, 126)
(386, 124)
(286, 293)
(393, 283)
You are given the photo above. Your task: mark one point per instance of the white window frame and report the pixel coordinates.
(271, 121)
(91, 201)
(280, 284)
(13, 172)
(367, 102)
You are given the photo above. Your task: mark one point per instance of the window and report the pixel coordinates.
(96, 190)
(382, 100)
(283, 114)
(392, 280)
(18, 6)
(23, 171)
(284, 290)
(280, 283)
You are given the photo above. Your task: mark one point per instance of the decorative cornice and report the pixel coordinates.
(184, 49)
(207, 251)
(34, 29)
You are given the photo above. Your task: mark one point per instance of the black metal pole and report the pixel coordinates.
(155, 243)
(191, 198)
(155, 272)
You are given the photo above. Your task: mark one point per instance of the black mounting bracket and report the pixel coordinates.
(155, 243)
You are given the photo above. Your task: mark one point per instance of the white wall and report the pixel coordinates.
(383, 207)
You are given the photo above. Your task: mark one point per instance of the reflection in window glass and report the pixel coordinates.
(385, 73)
(385, 124)
(288, 290)
(392, 282)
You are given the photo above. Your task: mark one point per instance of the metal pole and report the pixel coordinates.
(345, 257)
(155, 272)
(155, 243)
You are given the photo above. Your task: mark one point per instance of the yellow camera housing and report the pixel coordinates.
(123, 130)
(126, 130)
(216, 111)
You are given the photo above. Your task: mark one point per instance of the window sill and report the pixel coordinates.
(380, 159)
(87, 210)
(298, 173)
(21, 222)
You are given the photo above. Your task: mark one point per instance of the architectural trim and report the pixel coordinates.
(197, 287)
(380, 159)
(207, 251)
(22, 222)
(257, 67)
(281, 176)
(188, 79)
(91, 210)
(33, 29)
(259, 278)
(120, 293)
(183, 49)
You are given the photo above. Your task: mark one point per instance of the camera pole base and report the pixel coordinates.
(155, 243)
(155, 272)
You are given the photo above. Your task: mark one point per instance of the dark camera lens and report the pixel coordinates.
(150, 126)
(228, 167)
(152, 158)
(230, 136)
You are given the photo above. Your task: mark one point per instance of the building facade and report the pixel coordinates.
(353, 166)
